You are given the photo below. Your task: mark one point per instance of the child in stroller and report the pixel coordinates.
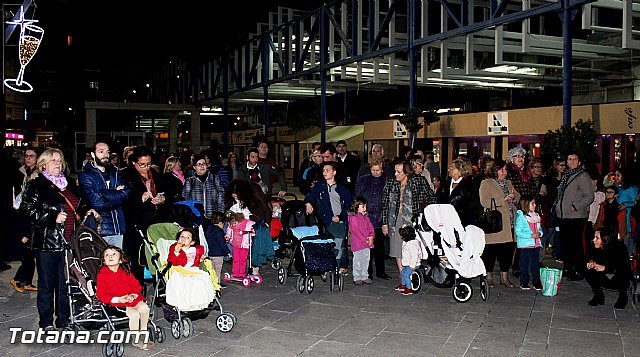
(188, 287)
(116, 286)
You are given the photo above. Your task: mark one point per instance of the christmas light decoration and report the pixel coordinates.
(30, 38)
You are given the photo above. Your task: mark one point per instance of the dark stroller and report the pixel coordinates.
(83, 260)
(309, 253)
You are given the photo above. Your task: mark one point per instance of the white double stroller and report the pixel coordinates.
(452, 253)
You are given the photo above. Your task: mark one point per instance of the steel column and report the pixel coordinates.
(567, 69)
(324, 49)
(413, 65)
(266, 71)
(225, 104)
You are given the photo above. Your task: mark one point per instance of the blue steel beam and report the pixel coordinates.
(276, 56)
(385, 25)
(341, 34)
(498, 8)
(311, 40)
(449, 9)
(324, 58)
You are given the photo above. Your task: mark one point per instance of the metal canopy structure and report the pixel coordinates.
(374, 44)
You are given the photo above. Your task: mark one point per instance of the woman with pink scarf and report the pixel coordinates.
(174, 179)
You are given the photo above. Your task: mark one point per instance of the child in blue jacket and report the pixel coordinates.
(528, 233)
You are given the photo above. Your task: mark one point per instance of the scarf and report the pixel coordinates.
(565, 180)
(149, 183)
(59, 181)
(177, 173)
(505, 189)
(524, 175)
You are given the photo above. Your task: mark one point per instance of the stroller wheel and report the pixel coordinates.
(308, 282)
(484, 288)
(416, 281)
(160, 335)
(276, 264)
(323, 277)
(113, 349)
(282, 275)
(119, 349)
(225, 322)
(187, 327)
(462, 292)
(176, 329)
(332, 280)
(300, 284)
(340, 282)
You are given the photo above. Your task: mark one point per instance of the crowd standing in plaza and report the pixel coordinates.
(585, 220)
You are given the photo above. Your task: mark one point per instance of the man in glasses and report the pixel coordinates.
(101, 185)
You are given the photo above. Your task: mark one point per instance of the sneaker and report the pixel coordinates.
(16, 285)
(367, 281)
(400, 287)
(537, 286)
(49, 328)
(357, 282)
(407, 291)
(524, 287)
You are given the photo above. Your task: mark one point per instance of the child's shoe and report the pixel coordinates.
(400, 287)
(524, 286)
(367, 281)
(358, 282)
(407, 291)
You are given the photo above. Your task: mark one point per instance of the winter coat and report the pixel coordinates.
(411, 253)
(421, 196)
(319, 198)
(464, 198)
(524, 232)
(360, 228)
(621, 219)
(140, 215)
(42, 201)
(215, 240)
(372, 188)
(210, 193)
(490, 188)
(104, 198)
(181, 258)
(111, 284)
(577, 197)
(266, 172)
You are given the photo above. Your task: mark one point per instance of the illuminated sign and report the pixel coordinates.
(14, 136)
(30, 38)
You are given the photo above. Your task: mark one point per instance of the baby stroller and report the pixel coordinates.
(453, 252)
(276, 227)
(159, 238)
(313, 255)
(83, 259)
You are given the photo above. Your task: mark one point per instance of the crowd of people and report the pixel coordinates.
(586, 221)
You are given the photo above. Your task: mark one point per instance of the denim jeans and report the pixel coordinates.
(406, 276)
(52, 289)
(529, 263)
(115, 240)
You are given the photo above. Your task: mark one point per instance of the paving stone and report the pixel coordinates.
(361, 328)
(390, 344)
(242, 351)
(583, 343)
(278, 342)
(332, 348)
(584, 324)
(494, 324)
(507, 343)
(453, 349)
(307, 325)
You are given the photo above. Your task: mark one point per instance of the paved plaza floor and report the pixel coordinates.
(375, 320)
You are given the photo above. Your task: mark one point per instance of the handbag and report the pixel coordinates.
(490, 221)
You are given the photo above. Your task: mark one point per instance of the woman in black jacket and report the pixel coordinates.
(51, 204)
(461, 192)
(609, 256)
(147, 204)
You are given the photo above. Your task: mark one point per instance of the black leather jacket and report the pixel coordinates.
(41, 203)
(464, 198)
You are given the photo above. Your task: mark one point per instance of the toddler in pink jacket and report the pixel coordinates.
(361, 238)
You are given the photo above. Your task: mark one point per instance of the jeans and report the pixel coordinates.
(52, 289)
(115, 240)
(529, 262)
(406, 276)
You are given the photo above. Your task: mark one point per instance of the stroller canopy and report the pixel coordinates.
(462, 246)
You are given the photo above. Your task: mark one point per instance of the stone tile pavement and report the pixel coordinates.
(374, 320)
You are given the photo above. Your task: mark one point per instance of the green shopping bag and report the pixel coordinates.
(550, 281)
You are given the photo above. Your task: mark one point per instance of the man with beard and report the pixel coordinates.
(102, 187)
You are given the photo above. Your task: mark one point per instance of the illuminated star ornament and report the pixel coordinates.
(30, 38)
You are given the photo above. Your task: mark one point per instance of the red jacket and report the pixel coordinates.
(181, 258)
(111, 284)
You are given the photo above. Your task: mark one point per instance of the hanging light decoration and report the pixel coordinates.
(29, 42)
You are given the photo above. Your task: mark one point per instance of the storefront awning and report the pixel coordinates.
(336, 133)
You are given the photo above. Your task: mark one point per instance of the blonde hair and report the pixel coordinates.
(47, 156)
(463, 166)
(171, 162)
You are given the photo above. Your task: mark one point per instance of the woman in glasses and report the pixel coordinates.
(147, 203)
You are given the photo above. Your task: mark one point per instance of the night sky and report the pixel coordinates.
(127, 38)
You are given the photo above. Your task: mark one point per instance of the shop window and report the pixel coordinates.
(286, 156)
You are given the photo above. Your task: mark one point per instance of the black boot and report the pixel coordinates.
(598, 299)
(622, 300)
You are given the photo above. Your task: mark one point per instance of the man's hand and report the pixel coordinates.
(309, 208)
(335, 219)
(121, 187)
(281, 193)
(385, 230)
